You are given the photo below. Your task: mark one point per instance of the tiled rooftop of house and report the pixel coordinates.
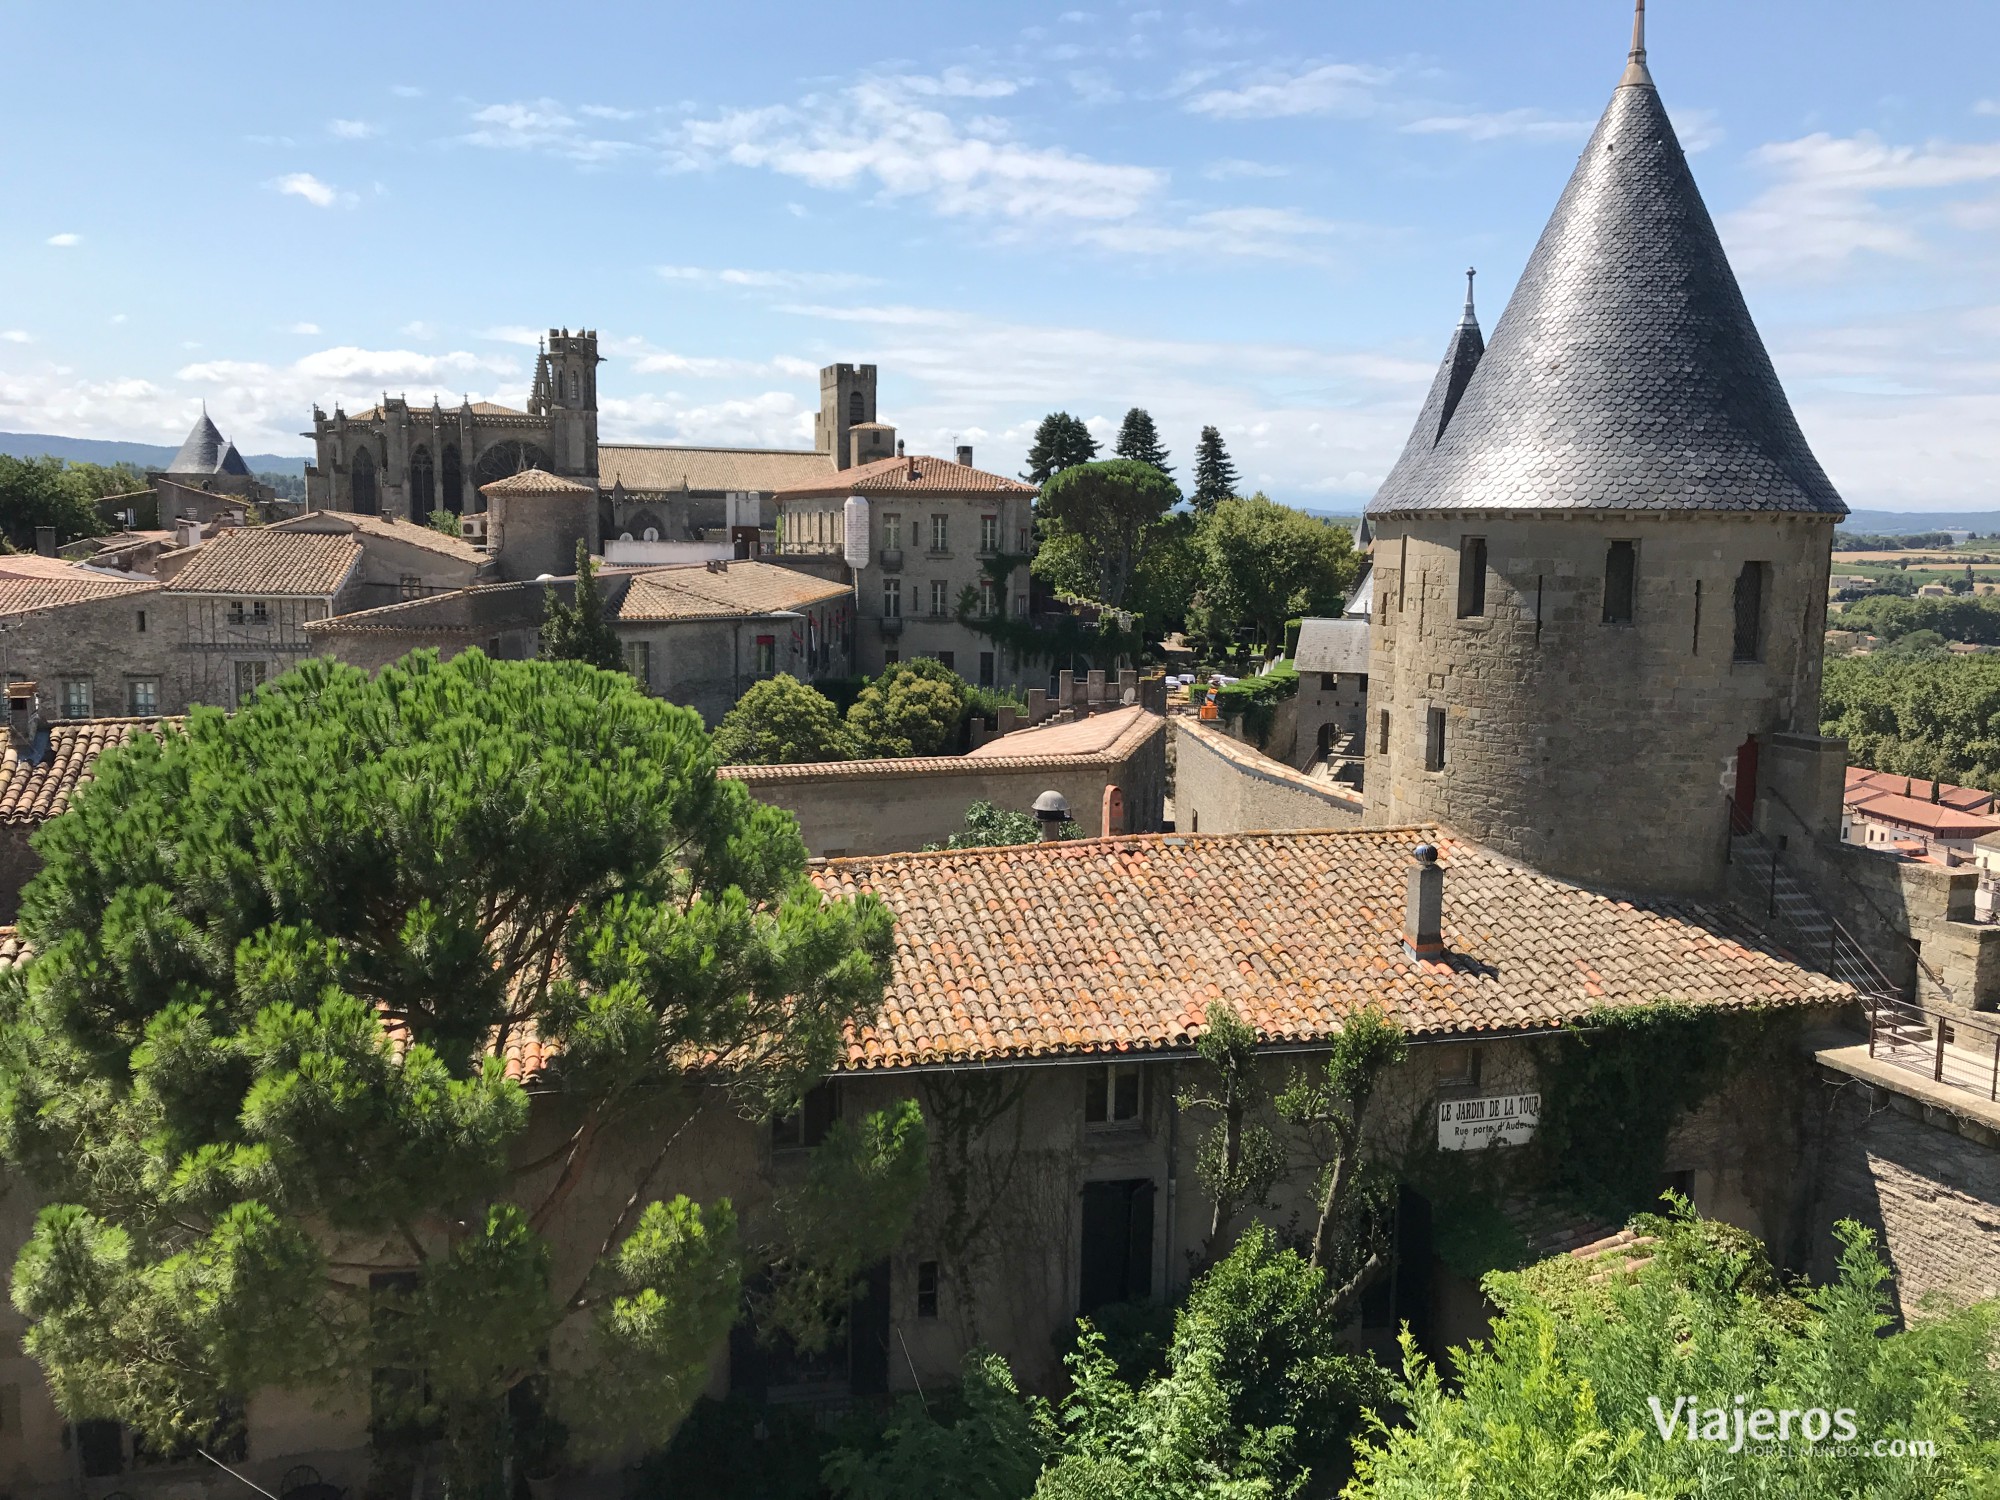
(33, 791)
(1120, 944)
(1865, 783)
(1024, 749)
(1095, 735)
(741, 589)
(260, 560)
(29, 584)
(916, 474)
(411, 532)
(536, 482)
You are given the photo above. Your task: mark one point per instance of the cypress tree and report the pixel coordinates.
(579, 631)
(1061, 442)
(1139, 440)
(1215, 477)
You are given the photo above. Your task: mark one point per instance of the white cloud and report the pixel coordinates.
(1699, 129)
(418, 329)
(16, 336)
(874, 135)
(1350, 89)
(1511, 124)
(65, 241)
(1236, 166)
(118, 317)
(770, 280)
(958, 83)
(352, 130)
(305, 328)
(305, 185)
(542, 125)
(608, 112)
(1825, 206)
(406, 91)
(1094, 86)
(1987, 107)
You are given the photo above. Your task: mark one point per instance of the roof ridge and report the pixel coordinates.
(1164, 840)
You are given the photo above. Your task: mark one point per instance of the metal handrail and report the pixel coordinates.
(1841, 944)
(1900, 1027)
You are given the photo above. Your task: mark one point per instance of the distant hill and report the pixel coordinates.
(145, 455)
(1904, 522)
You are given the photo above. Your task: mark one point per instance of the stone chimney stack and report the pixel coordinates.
(1051, 812)
(1423, 905)
(965, 454)
(45, 541)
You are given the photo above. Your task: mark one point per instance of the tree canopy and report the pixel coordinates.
(48, 492)
(780, 722)
(1917, 715)
(260, 1070)
(1139, 440)
(1215, 476)
(914, 707)
(1973, 618)
(1561, 1401)
(579, 630)
(1264, 563)
(1061, 442)
(1106, 515)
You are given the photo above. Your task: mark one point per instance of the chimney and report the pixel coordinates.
(965, 454)
(45, 541)
(1423, 905)
(899, 447)
(190, 531)
(1051, 812)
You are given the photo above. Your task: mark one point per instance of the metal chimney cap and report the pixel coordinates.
(1425, 854)
(1052, 804)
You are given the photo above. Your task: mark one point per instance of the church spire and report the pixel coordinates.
(1635, 62)
(1469, 318)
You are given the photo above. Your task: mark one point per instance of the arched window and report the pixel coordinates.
(575, 389)
(361, 485)
(423, 484)
(857, 410)
(652, 533)
(454, 481)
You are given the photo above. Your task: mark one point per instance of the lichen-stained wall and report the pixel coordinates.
(1598, 751)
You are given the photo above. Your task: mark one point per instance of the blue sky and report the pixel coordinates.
(1251, 214)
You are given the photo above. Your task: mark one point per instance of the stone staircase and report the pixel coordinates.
(1766, 893)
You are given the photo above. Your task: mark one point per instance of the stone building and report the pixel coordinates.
(86, 642)
(1601, 561)
(939, 531)
(1331, 708)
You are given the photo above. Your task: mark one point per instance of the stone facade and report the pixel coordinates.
(1604, 750)
(1224, 786)
(121, 651)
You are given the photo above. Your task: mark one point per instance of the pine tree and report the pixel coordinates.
(1061, 442)
(579, 631)
(1215, 477)
(1139, 440)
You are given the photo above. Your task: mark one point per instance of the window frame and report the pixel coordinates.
(807, 1126)
(766, 656)
(639, 662)
(75, 691)
(1472, 578)
(940, 534)
(989, 535)
(1435, 754)
(1758, 573)
(1105, 1101)
(940, 598)
(132, 707)
(892, 598)
(1627, 549)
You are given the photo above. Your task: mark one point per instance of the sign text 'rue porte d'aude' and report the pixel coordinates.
(1475, 1124)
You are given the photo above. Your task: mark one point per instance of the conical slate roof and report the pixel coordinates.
(201, 453)
(231, 462)
(1626, 373)
(1461, 358)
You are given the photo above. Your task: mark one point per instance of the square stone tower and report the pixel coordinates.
(571, 397)
(846, 401)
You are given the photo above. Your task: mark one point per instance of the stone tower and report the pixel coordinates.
(565, 392)
(1601, 560)
(846, 401)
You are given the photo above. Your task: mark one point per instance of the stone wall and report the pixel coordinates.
(1925, 1176)
(1224, 786)
(892, 806)
(1594, 750)
(110, 641)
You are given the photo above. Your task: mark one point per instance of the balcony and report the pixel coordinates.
(892, 626)
(892, 559)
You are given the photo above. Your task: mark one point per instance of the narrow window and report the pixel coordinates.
(575, 389)
(806, 1126)
(1112, 1094)
(857, 413)
(249, 677)
(639, 661)
(1402, 570)
(76, 697)
(1750, 612)
(940, 533)
(1621, 578)
(1471, 577)
(986, 669)
(1382, 732)
(989, 533)
(927, 1289)
(1434, 739)
(258, 614)
(892, 598)
(937, 596)
(892, 533)
(986, 606)
(767, 655)
(142, 622)
(1694, 643)
(236, 611)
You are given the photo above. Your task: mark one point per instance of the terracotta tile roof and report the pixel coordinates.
(316, 522)
(891, 476)
(1967, 799)
(646, 469)
(1136, 732)
(25, 594)
(31, 794)
(1095, 735)
(1933, 818)
(1119, 945)
(741, 589)
(535, 482)
(259, 560)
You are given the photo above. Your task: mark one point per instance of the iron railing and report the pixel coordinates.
(1955, 1050)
